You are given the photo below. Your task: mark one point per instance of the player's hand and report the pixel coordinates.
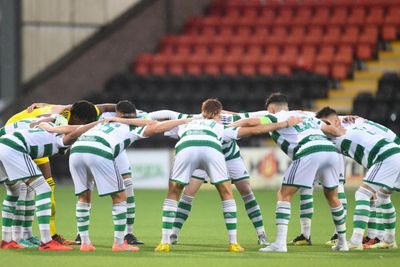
(350, 119)
(33, 106)
(34, 124)
(293, 121)
(111, 119)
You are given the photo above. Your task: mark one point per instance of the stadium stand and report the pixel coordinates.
(241, 51)
(257, 37)
(382, 108)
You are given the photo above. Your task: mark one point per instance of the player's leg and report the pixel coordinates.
(372, 227)
(253, 210)
(381, 177)
(8, 215)
(282, 218)
(43, 212)
(29, 216)
(306, 214)
(186, 161)
(360, 219)
(230, 214)
(237, 171)
(83, 185)
(339, 218)
(215, 166)
(19, 219)
(20, 166)
(170, 207)
(296, 176)
(389, 218)
(185, 203)
(124, 167)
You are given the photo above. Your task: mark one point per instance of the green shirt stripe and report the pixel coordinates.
(192, 143)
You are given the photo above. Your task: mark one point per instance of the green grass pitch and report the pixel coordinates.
(203, 240)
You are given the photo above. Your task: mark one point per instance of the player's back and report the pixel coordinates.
(35, 141)
(301, 137)
(28, 115)
(200, 132)
(17, 125)
(110, 136)
(363, 145)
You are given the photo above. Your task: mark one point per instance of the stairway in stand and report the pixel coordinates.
(364, 80)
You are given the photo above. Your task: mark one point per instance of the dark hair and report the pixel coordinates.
(276, 98)
(83, 112)
(126, 107)
(325, 112)
(211, 107)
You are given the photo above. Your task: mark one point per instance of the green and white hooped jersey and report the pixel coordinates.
(230, 149)
(202, 132)
(365, 145)
(374, 127)
(302, 139)
(36, 142)
(25, 124)
(18, 125)
(107, 139)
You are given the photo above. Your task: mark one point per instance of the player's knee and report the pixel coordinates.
(364, 193)
(118, 197)
(382, 198)
(243, 187)
(174, 190)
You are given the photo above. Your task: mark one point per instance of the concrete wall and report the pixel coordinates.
(109, 56)
(51, 28)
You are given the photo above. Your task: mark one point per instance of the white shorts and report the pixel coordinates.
(384, 173)
(321, 166)
(123, 164)
(17, 165)
(236, 171)
(342, 168)
(205, 158)
(87, 169)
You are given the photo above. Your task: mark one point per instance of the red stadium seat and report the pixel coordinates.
(141, 68)
(357, 16)
(364, 52)
(283, 69)
(322, 69)
(339, 72)
(325, 55)
(375, 17)
(254, 50)
(389, 33)
(344, 55)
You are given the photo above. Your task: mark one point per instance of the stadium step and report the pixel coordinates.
(367, 75)
(395, 46)
(363, 80)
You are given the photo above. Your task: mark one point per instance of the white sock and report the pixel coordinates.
(230, 217)
(282, 221)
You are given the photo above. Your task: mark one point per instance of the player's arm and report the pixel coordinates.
(135, 122)
(265, 126)
(247, 122)
(36, 105)
(44, 119)
(71, 137)
(57, 129)
(164, 126)
(106, 107)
